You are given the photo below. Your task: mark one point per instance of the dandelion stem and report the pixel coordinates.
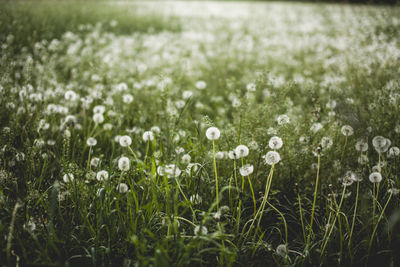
(373, 205)
(11, 231)
(183, 194)
(147, 151)
(314, 202)
(88, 162)
(269, 182)
(329, 219)
(283, 218)
(334, 220)
(354, 217)
(261, 209)
(301, 216)
(133, 153)
(377, 223)
(216, 175)
(252, 193)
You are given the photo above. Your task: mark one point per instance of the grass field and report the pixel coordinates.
(199, 133)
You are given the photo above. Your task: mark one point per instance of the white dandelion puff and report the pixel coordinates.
(241, 151)
(122, 188)
(272, 157)
(361, 146)
(275, 142)
(213, 133)
(375, 177)
(68, 177)
(125, 141)
(201, 85)
(200, 230)
(281, 250)
(102, 176)
(148, 136)
(186, 159)
(347, 130)
(91, 141)
(283, 119)
(98, 118)
(246, 170)
(127, 98)
(381, 144)
(124, 164)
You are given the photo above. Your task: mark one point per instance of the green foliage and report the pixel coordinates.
(254, 71)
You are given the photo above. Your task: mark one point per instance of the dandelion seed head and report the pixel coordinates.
(187, 94)
(381, 144)
(394, 191)
(275, 142)
(148, 136)
(107, 126)
(127, 98)
(347, 130)
(361, 146)
(95, 162)
(122, 188)
(200, 230)
(363, 159)
(242, 151)
(326, 142)
(102, 176)
(201, 85)
(220, 155)
(91, 141)
(375, 177)
(272, 157)
(246, 170)
(125, 141)
(124, 164)
(253, 145)
(393, 152)
(316, 127)
(236, 102)
(283, 119)
(186, 159)
(213, 133)
(68, 177)
(71, 96)
(281, 250)
(155, 129)
(251, 87)
(98, 118)
(99, 109)
(348, 178)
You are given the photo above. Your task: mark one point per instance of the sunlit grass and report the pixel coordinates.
(193, 133)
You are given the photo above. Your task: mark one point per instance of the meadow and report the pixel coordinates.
(199, 133)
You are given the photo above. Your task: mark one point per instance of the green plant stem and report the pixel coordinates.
(377, 223)
(334, 221)
(314, 202)
(11, 231)
(252, 193)
(283, 218)
(147, 151)
(261, 208)
(354, 217)
(301, 216)
(216, 176)
(373, 205)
